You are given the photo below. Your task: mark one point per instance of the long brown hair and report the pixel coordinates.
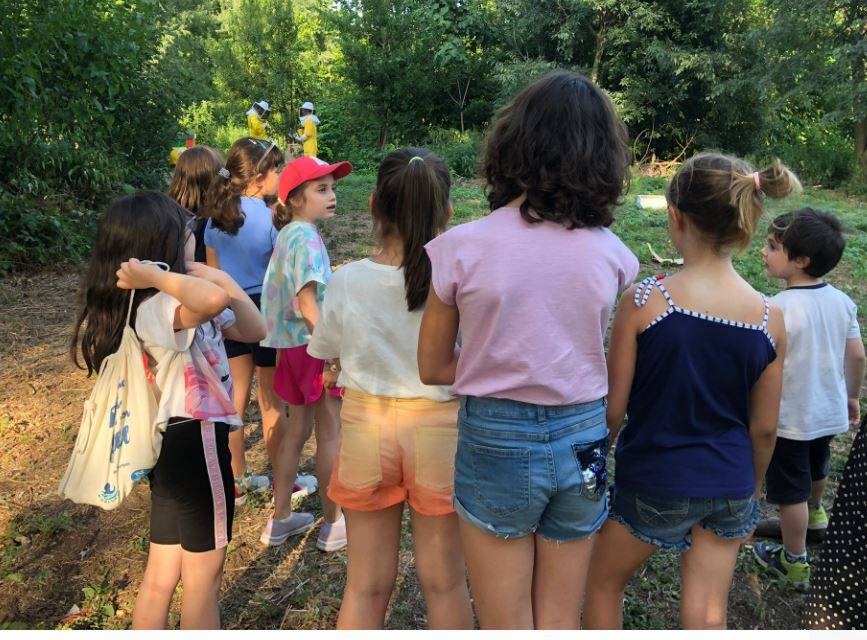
(247, 159)
(145, 225)
(412, 200)
(196, 171)
(721, 196)
(561, 142)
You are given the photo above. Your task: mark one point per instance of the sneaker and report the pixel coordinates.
(818, 518)
(332, 535)
(304, 486)
(278, 531)
(249, 483)
(773, 558)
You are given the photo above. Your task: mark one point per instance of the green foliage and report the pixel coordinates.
(93, 97)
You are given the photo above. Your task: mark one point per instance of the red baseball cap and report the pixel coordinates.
(306, 168)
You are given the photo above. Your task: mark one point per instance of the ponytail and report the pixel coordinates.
(722, 196)
(247, 159)
(412, 200)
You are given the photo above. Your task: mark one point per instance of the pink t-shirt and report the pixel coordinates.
(534, 303)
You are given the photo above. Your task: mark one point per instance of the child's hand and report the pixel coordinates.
(854, 406)
(329, 377)
(133, 274)
(203, 271)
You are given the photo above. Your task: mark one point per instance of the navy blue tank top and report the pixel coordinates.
(687, 434)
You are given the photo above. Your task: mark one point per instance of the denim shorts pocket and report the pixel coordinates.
(592, 465)
(740, 509)
(358, 458)
(501, 477)
(661, 512)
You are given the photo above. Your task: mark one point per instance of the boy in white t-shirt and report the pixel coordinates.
(822, 378)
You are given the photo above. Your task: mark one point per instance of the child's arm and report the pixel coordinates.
(853, 367)
(307, 305)
(622, 351)
(765, 401)
(211, 258)
(437, 355)
(200, 301)
(249, 325)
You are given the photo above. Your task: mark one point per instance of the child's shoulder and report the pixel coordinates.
(299, 234)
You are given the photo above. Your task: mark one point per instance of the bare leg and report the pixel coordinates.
(275, 426)
(374, 542)
(201, 574)
(327, 411)
(241, 368)
(616, 557)
(158, 585)
(706, 573)
(439, 562)
(300, 426)
(817, 491)
(559, 578)
(501, 577)
(793, 523)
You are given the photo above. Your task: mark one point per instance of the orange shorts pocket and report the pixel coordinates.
(435, 457)
(358, 458)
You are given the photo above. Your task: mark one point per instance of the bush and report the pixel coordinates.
(460, 151)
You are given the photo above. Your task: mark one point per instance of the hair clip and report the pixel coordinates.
(224, 173)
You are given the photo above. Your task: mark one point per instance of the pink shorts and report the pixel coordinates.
(298, 378)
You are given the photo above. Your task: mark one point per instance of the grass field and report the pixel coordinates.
(67, 566)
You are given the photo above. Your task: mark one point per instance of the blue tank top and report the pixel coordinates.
(687, 434)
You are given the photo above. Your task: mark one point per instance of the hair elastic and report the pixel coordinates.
(757, 181)
(414, 158)
(224, 173)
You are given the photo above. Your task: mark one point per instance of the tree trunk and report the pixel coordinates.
(861, 141)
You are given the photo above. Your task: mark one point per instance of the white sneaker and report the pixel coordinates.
(278, 531)
(249, 483)
(332, 535)
(304, 486)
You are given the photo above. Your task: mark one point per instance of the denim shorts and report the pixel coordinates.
(668, 522)
(523, 468)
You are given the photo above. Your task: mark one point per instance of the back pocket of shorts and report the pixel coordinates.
(740, 509)
(592, 465)
(661, 512)
(358, 460)
(435, 457)
(501, 477)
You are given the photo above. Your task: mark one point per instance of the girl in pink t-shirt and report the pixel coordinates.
(530, 287)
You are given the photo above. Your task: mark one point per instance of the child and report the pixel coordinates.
(823, 373)
(180, 319)
(196, 171)
(530, 287)
(239, 239)
(309, 126)
(257, 120)
(398, 435)
(697, 364)
(838, 590)
(294, 289)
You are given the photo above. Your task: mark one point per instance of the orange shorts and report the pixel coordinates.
(395, 449)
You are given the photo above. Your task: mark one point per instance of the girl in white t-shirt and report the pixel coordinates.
(399, 435)
(181, 316)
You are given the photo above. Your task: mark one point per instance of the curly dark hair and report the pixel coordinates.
(561, 142)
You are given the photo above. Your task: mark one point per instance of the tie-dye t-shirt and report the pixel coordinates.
(189, 366)
(299, 257)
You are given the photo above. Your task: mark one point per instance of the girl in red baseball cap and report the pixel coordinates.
(292, 294)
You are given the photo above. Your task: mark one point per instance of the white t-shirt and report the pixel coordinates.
(819, 320)
(191, 369)
(365, 323)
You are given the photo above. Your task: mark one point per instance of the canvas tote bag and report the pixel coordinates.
(118, 442)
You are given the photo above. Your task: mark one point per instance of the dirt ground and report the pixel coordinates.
(64, 565)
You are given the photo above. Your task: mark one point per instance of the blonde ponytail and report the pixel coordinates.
(722, 196)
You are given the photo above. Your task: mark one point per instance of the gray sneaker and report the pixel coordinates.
(278, 531)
